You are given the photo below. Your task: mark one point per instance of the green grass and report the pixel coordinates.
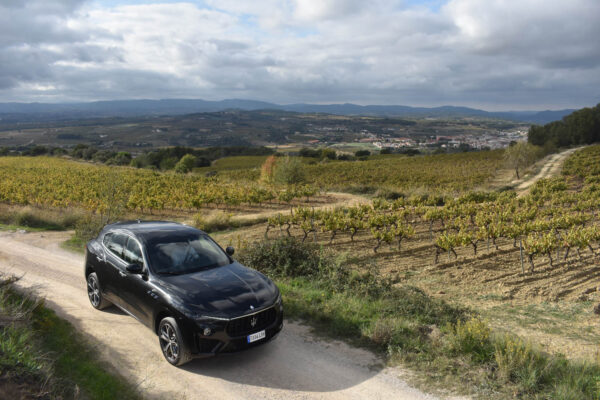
(74, 243)
(49, 355)
(10, 227)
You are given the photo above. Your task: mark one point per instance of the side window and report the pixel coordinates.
(116, 243)
(107, 239)
(133, 253)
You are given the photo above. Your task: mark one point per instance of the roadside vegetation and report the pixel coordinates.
(37, 219)
(450, 345)
(44, 357)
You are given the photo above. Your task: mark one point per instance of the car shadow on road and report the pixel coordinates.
(293, 361)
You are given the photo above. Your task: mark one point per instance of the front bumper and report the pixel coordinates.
(231, 336)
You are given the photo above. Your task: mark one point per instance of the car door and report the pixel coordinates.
(135, 290)
(114, 266)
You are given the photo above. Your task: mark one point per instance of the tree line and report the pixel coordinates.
(179, 158)
(580, 127)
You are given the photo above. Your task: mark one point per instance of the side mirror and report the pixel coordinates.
(230, 250)
(134, 268)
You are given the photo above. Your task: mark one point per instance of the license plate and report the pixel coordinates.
(257, 336)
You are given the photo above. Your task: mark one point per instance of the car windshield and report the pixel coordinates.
(177, 254)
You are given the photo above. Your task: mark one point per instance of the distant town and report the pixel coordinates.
(492, 140)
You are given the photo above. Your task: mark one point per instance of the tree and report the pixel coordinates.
(329, 154)
(186, 164)
(289, 171)
(362, 153)
(121, 158)
(520, 155)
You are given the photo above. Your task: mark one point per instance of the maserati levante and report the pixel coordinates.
(180, 283)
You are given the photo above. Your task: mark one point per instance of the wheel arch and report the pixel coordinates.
(163, 313)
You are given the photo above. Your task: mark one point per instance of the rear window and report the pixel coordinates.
(115, 242)
(184, 253)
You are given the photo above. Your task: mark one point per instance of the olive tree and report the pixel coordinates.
(520, 155)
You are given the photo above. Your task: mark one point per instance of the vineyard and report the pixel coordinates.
(448, 173)
(441, 173)
(60, 183)
(52, 182)
(556, 224)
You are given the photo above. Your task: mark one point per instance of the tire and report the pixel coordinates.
(95, 293)
(171, 342)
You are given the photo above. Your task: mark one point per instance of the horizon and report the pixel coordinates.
(492, 56)
(293, 104)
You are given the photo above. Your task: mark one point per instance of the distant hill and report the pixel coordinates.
(19, 112)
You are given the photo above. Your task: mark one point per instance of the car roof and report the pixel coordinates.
(148, 229)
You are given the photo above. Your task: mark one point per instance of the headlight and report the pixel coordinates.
(209, 325)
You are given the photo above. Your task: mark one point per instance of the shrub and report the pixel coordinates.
(519, 363)
(285, 257)
(267, 170)
(360, 189)
(217, 222)
(88, 227)
(388, 194)
(471, 338)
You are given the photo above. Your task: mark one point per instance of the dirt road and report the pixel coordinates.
(294, 366)
(340, 200)
(551, 167)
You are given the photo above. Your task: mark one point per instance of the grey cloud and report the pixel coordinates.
(492, 55)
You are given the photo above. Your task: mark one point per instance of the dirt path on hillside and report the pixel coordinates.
(296, 365)
(551, 167)
(342, 200)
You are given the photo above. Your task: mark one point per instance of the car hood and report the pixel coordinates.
(228, 291)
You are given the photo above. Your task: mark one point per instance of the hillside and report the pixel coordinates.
(23, 112)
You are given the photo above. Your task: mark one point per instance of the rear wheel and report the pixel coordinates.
(95, 293)
(171, 342)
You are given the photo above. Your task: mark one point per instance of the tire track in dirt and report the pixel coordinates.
(551, 168)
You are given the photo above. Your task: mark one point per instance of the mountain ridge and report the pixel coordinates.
(146, 107)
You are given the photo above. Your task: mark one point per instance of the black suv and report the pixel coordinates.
(177, 281)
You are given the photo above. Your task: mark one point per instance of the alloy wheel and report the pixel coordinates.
(93, 291)
(169, 343)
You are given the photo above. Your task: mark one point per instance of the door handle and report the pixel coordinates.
(123, 274)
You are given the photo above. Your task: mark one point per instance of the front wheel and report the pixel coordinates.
(171, 342)
(95, 294)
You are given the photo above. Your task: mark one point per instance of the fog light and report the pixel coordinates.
(207, 332)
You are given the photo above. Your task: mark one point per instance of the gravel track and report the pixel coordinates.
(551, 167)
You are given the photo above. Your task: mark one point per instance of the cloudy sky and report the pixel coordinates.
(490, 54)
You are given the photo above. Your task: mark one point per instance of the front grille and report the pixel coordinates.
(251, 323)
